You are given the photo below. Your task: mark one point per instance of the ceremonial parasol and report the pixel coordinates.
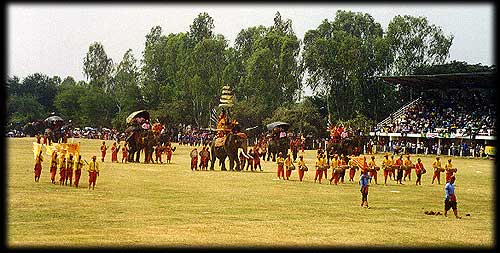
(142, 113)
(283, 125)
(53, 119)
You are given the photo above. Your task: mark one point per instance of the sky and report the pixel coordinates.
(53, 38)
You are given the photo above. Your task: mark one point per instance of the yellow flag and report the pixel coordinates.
(37, 147)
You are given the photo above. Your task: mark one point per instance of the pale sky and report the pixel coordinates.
(53, 38)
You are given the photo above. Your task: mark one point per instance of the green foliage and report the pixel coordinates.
(303, 117)
(97, 67)
(66, 100)
(201, 28)
(180, 75)
(414, 42)
(97, 107)
(453, 67)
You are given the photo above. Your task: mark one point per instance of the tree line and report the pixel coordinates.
(180, 75)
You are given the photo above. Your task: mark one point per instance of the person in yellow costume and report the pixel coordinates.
(386, 166)
(38, 166)
(408, 164)
(449, 170)
(335, 172)
(93, 170)
(437, 170)
(372, 168)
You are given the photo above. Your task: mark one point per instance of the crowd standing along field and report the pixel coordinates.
(168, 205)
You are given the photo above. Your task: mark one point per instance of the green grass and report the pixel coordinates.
(170, 205)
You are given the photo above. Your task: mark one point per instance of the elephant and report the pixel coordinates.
(275, 146)
(135, 142)
(232, 143)
(346, 147)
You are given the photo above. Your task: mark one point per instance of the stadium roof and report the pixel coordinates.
(445, 81)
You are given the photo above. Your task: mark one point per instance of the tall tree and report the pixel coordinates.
(66, 100)
(97, 67)
(127, 95)
(201, 28)
(414, 42)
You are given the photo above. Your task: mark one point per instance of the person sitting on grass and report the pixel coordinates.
(450, 200)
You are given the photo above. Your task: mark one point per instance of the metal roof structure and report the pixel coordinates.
(445, 81)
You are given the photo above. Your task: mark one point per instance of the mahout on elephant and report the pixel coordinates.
(277, 140)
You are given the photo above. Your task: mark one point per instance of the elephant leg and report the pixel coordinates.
(212, 162)
(274, 157)
(223, 164)
(138, 156)
(238, 165)
(231, 164)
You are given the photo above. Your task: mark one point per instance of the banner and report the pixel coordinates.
(432, 135)
(68, 148)
(37, 147)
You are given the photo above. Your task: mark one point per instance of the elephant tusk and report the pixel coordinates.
(245, 155)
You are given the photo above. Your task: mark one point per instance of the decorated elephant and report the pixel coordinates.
(276, 146)
(347, 146)
(135, 143)
(228, 146)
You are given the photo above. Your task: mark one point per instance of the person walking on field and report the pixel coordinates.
(437, 170)
(38, 166)
(450, 199)
(78, 170)
(194, 159)
(69, 170)
(449, 170)
(281, 163)
(250, 160)
(320, 164)
(372, 167)
(256, 159)
(419, 170)
(62, 169)
(352, 168)
(392, 172)
(93, 170)
(53, 167)
(364, 183)
(302, 167)
(103, 151)
(124, 153)
(158, 153)
(341, 163)
(289, 166)
(335, 173)
(399, 163)
(114, 152)
(386, 167)
(168, 152)
(408, 165)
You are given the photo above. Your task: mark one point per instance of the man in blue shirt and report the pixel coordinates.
(450, 200)
(364, 180)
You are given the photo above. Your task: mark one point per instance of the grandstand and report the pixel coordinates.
(454, 114)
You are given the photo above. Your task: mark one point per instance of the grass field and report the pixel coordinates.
(143, 205)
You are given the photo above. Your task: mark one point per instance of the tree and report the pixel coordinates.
(201, 28)
(97, 107)
(414, 42)
(340, 58)
(127, 95)
(66, 100)
(97, 67)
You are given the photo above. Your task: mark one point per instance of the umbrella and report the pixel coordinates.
(53, 119)
(283, 125)
(136, 114)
